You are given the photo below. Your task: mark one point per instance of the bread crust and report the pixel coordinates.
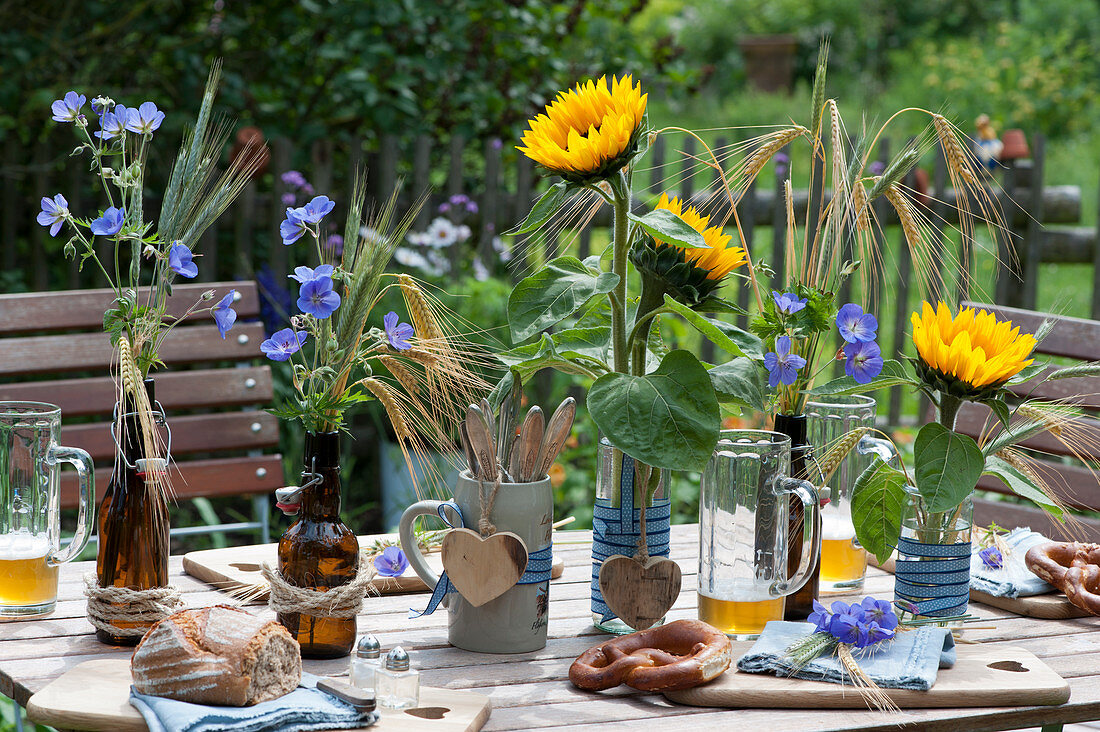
(680, 655)
(218, 655)
(1073, 567)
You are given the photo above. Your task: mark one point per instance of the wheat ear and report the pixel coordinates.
(393, 408)
(906, 215)
(861, 206)
(424, 320)
(953, 150)
(402, 373)
(770, 145)
(838, 451)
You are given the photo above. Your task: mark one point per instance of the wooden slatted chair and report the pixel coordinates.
(53, 349)
(1072, 338)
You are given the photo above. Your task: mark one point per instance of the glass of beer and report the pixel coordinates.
(828, 420)
(30, 506)
(744, 506)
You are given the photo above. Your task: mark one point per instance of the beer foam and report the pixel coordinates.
(835, 527)
(24, 545)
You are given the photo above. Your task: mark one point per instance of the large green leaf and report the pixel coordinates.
(667, 419)
(740, 381)
(878, 502)
(1020, 484)
(593, 342)
(544, 208)
(893, 374)
(530, 358)
(947, 466)
(728, 337)
(671, 229)
(552, 294)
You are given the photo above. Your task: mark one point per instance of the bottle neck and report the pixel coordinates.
(321, 463)
(795, 426)
(130, 437)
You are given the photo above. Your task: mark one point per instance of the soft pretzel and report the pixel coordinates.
(679, 655)
(1072, 567)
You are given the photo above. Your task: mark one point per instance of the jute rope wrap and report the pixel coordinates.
(484, 525)
(344, 601)
(138, 606)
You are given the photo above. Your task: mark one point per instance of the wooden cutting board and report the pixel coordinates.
(96, 696)
(983, 676)
(1052, 606)
(235, 568)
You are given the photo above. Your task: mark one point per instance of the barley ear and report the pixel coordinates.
(818, 99)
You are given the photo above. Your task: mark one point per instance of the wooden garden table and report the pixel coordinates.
(531, 690)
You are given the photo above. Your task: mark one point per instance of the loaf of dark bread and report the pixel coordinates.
(217, 655)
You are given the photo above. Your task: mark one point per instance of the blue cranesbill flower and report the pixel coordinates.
(856, 326)
(863, 361)
(111, 125)
(819, 617)
(871, 633)
(180, 261)
(782, 365)
(294, 226)
(392, 562)
(305, 274)
(54, 212)
(145, 119)
(317, 298)
(991, 557)
(282, 344)
(845, 626)
(68, 108)
(880, 611)
(101, 104)
(110, 223)
(397, 333)
(224, 315)
(317, 209)
(788, 302)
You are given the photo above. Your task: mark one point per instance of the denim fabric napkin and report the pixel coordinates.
(909, 661)
(303, 709)
(1013, 579)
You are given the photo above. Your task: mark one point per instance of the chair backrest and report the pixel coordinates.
(53, 349)
(1071, 338)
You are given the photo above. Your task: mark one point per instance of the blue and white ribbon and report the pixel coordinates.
(934, 578)
(538, 568)
(616, 530)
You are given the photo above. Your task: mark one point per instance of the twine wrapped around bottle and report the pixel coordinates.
(344, 601)
(108, 606)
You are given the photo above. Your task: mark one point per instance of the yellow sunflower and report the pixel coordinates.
(590, 131)
(691, 275)
(971, 354)
(719, 259)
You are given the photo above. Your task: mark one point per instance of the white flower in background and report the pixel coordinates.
(502, 249)
(442, 233)
(439, 262)
(410, 258)
(419, 238)
(463, 232)
(481, 272)
(371, 235)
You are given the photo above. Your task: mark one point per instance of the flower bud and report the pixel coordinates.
(70, 248)
(208, 295)
(651, 139)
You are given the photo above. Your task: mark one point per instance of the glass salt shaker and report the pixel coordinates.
(397, 686)
(366, 663)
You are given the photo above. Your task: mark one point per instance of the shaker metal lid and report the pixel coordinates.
(397, 660)
(368, 647)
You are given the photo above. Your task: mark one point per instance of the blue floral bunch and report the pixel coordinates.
(861, 624)
(339, 355)
(794, 322)
(137, 319)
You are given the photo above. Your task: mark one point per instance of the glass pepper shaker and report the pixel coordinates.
(365, 663)
(397, 686)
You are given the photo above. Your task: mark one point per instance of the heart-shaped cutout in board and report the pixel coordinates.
(483, 569)
(428, 712)
(640, 593)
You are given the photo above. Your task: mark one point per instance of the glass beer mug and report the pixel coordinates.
(828, 420)
(30, 507)
(743, 525)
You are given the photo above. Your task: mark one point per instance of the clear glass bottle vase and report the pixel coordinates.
(932, 571)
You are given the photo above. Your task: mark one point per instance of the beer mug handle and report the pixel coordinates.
(85, 473)
(811, 542)
(411, 546)
(869, 445)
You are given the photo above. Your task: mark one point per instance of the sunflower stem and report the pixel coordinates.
(949, 409)
(620, 245)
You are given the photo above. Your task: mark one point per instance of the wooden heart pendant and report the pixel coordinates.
(640, 593)
(483, 569)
